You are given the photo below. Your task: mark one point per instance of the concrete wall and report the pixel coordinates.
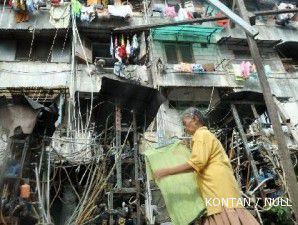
(34, 74)
(222, 56)
(169, 118)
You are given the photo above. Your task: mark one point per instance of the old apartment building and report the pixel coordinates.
(87, 85)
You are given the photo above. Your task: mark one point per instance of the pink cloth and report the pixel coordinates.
(245, 69)
(170, 11)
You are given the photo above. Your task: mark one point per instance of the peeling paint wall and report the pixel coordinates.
(169, 118)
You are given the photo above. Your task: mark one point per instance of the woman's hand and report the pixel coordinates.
(161, 173)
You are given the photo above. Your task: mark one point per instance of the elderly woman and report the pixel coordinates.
(216, 181)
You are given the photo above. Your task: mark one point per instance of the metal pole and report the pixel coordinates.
(245, 142)
(245, 25)
(197, 20)
(284, 153)
(118, 146)
(111, 207)
(136, 164)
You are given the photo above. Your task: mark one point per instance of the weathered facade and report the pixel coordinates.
(106, 79)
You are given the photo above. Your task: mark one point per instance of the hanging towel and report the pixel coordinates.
(197, 68)
(142, 46)
(180, 192)
(135, 43)
(128, 47)
(170, 11)
(76, 7)
(112, 47)
(123, 11)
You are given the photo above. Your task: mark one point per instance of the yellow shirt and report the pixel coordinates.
(216, 180)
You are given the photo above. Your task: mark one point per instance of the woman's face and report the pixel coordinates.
(190, 125)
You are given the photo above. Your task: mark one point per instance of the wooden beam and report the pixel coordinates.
(246, 102)
(245, 143)
(198, 20)
(165, 24)
(284, 152)
(275, 12)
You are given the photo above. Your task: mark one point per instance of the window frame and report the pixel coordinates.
(178, 52)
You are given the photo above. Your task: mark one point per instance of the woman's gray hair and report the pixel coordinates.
(194, 113)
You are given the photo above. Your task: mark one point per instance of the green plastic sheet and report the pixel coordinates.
(180, 192)
(189, 33)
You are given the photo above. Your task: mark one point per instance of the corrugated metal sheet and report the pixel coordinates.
(266, 32)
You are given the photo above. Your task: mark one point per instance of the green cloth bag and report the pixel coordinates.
(180, 192)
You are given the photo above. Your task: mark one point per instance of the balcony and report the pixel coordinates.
(33, 74)
(47, 16)
(110, 14)
(172, 77)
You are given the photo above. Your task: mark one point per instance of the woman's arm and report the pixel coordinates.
(184, 168)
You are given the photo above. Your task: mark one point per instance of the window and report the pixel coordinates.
(179, 52)
(39, 52)
(102, 51)
(204, 45)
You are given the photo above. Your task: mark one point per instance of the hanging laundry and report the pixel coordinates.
(59, 16)
(186, 67)
(177, 67)
(119, 69)
(209, 67)
(39, 3)
(112, 47)
(87, 14)
(93, 2)
(23, 5)
(55, 2)
(122, 52)
(30, 6)
(76, 7)
(128, 47)
(237, 73)
(170, 11)
(122, 40)
(222, 23)
(197, 68)
(183, 14)
(16, 5)
(21, 16)
(134, 46)
(160, 8)
(143, 49)
(122, 48)
(189, 6)
(116, 42)
(123, 11)
(117, 56)
(284, 18)
(135, 43)
(245, 69)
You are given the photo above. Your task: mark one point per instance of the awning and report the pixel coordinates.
(20, 111)
(288, 49)
(228, 40)
(188, 33)
(144, 101)
(221, 115)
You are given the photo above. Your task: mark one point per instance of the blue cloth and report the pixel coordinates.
(197, 68)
